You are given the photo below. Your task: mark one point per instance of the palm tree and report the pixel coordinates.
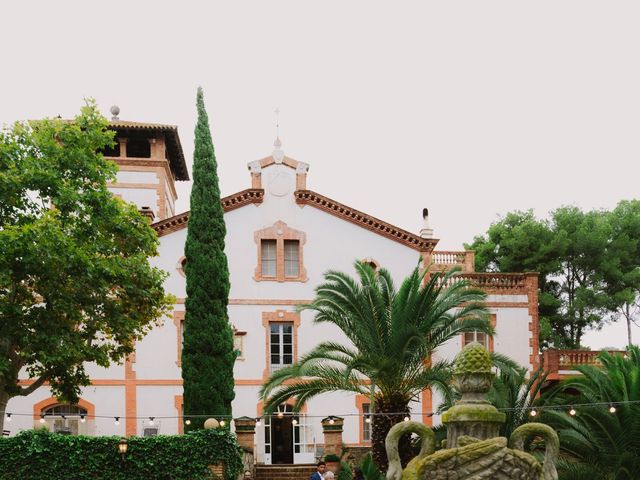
(600, 443)
(391, 333)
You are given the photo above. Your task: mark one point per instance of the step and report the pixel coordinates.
(284, 472)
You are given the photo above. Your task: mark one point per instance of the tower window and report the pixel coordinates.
(138, 148)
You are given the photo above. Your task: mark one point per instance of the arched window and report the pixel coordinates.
(65, 419)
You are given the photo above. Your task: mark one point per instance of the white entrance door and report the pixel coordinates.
(288, 438)
(303, 441)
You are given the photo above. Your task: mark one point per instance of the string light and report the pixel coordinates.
(570, 409)
(294, 422)
(406, 419)
(222, 423)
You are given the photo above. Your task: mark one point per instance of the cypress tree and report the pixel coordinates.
(207, 354)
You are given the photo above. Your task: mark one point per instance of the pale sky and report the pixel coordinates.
(470, 108)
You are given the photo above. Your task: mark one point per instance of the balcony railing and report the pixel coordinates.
(501, 282)
(444, 260)
(561, 362)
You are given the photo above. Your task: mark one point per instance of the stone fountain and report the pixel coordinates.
(474, 451)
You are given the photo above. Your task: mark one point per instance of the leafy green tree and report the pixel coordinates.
(207, 354)
(598, 444)
(75, 282)
(621, 265)
(568, 251)
(391, 335)
(583, 239)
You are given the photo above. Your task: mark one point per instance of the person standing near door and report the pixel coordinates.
(318, 474)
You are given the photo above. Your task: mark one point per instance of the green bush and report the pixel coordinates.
(345, 472)
(33, 455)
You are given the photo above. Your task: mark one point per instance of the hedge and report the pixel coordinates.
(38, 454)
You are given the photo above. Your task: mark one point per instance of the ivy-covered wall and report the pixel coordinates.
(34, 455)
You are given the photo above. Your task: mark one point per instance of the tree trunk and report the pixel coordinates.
(628, 318)
(4, 400)
(388, 412)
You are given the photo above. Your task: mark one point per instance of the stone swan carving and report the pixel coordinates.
(475, 452)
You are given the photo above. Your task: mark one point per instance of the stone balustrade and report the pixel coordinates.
(558, 362)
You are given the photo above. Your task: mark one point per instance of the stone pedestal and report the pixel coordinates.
(332, 428)
(245, 431)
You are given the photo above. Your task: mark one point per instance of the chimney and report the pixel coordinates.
(426, 231)
(147, 212)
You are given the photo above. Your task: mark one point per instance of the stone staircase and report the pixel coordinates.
(284, 472)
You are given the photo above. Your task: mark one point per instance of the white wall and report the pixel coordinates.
(331, 243)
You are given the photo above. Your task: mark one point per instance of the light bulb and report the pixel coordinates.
(117, 421)
(41, 419)
(280, 414)
(331, 421)
(82, 419)
(151, 421)
(572, 412)
(187, 422)
(533, 412)
(222, 423)
(406, 419)
(612, 409)
(294, 422)
(8, 417)
(368, 420)
(258, 422)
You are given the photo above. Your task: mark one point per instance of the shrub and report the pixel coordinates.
(40, 454)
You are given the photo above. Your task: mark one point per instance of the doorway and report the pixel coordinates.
(282, 440)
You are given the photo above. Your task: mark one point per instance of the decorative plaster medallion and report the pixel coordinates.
(279, 183)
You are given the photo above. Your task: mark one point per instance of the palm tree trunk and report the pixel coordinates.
(388, 412)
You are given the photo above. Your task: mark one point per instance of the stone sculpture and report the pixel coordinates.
(475, 451)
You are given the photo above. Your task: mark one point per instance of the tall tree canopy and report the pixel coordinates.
(391, 333)
(75, 282)
(207, 354)
(621, 269)
(589, 265)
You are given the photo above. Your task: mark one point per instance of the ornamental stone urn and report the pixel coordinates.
(474, 451)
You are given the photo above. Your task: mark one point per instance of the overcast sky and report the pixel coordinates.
(470, 108)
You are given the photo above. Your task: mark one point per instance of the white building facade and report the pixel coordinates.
(281, 238)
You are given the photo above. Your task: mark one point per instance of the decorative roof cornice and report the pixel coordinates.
(237, 200)
(308, 197)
